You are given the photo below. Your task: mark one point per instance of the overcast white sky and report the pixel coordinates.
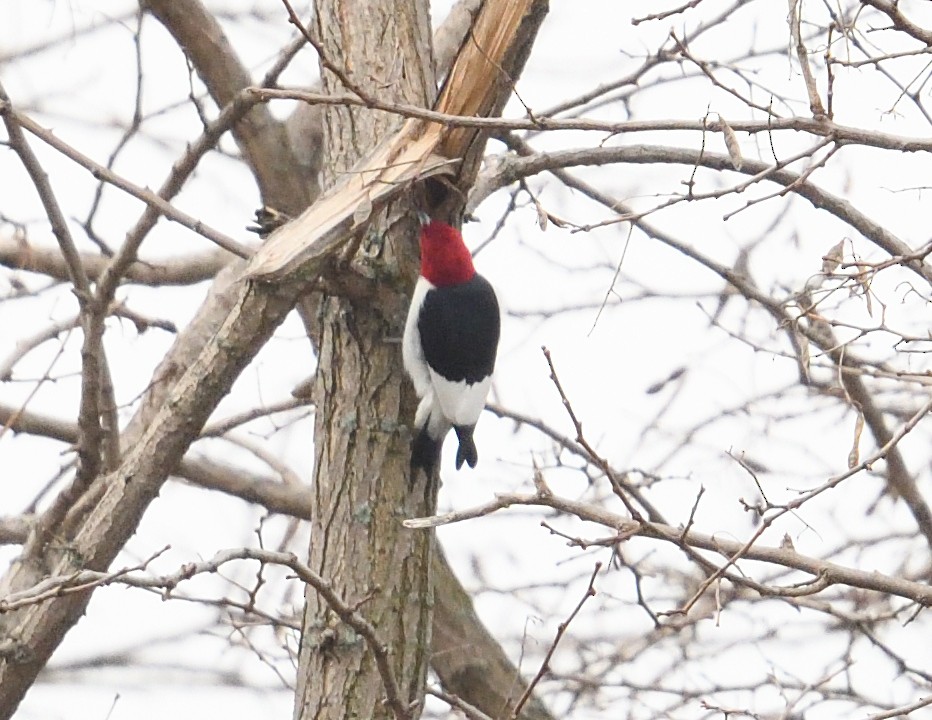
(606, 362)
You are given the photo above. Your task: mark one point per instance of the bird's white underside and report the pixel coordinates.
(460, 402)
(443, 403)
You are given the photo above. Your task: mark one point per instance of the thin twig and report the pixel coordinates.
(27, 344)
(803, 498)
(666, 13)
(14, 126)
(901, 711)
(222, 426)
(828, 572)
(325, 60)
(181, 170)
(802, 54)
(561, 631)
(147, 196)
(93, 362)
(470, 711)
(844, 134)
(601, 463)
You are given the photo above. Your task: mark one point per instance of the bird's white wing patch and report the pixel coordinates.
(411, 351)
(460, 402)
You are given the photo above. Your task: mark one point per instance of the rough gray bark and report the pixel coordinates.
(361, 490)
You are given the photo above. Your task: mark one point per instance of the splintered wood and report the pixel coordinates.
(419, 149)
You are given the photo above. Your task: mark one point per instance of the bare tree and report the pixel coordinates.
(708, 496)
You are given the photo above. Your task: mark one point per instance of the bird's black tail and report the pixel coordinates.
(425, 453)
(467, 450)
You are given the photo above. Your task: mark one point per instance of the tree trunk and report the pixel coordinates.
(361, 490)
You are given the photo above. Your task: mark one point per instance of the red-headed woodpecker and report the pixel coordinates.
(450, 341)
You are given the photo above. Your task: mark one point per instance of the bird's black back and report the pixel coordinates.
(459, 327)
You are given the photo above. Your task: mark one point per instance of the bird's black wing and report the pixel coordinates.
(459, 327)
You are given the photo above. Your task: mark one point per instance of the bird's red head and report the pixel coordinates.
(445, 260)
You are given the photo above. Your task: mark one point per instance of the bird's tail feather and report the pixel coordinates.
(467, 450)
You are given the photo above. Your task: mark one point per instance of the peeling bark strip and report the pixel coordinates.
(478, 85)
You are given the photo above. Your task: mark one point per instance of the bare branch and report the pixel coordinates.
(82, 580)
(802, 54)
(842, 134)
(95, 375)
(14, 125)
(891, 9)
(14, 530)
(98, 536)
(263, 140)
(509, 169)
(147, 196)
(561, 630)
(156, 273)
(830, 573)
